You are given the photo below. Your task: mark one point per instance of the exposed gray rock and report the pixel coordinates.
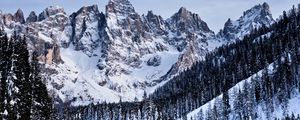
(129, 32)
(19, 16)
(52, 10)
(85, 36)
(255, 17)
(154, 61)
(229, 30)
(187, 21)
(185, 24)
(32, 17)
(122, 7)
(8, 19)
(155, 23)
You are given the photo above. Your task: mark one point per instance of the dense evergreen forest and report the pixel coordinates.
(277, 45)
(23, 95)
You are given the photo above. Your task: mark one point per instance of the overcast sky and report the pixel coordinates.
(214, 12)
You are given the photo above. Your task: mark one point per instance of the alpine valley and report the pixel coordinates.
(118, 64)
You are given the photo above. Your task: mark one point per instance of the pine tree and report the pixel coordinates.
(13, 90)
(22, 71)
(4, 62)
(200, 115)
(42, 106)
(226, 106)
(17, 94)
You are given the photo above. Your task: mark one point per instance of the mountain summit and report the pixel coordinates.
(188, 21)
(255, 17)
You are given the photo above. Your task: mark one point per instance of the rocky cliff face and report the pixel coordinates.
(90, 56)
(45, 36)
(127, 37)
(190, 35)
(32, 17)
(185, 26)
(50, 11)
(253, 18)
(19, 16)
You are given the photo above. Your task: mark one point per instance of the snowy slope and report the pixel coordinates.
(293, 103)
(79, 78)
(231, 93)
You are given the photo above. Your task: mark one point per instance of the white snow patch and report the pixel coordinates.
(44, 37)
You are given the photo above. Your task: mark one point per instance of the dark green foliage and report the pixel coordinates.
(23, 95)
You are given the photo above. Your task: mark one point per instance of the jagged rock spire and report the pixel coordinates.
(253, 18)
(186, 20)
(52, 10)
(19, 16)
(123, 7)
(32, 17)
(86, 9)
(260, 14)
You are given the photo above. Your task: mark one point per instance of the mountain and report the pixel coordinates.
(252, 78)
(122, 65)
(90, 56)
(258, 16)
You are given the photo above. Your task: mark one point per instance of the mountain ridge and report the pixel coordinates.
(127, 54)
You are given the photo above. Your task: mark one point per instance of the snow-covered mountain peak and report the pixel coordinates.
(260, 14)
(255, 17)
(183, 11)
(87, 9)
(49, 11)
(120, 7)
(187, 21)
(85, 27)
(264, 9)
(189, 34)
(89, 13)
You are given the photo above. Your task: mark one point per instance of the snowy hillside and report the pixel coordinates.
(232, 95)
(279, 112)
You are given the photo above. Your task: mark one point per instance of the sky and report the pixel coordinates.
(214, 12)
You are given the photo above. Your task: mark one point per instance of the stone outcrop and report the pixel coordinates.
(32, 17)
